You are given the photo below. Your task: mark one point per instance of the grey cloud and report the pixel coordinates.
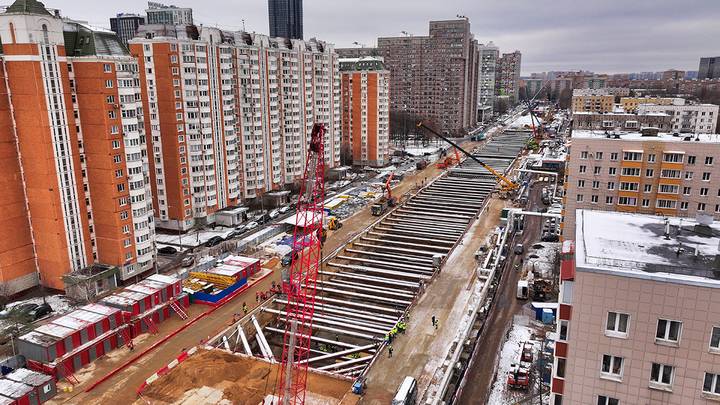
(600, 35)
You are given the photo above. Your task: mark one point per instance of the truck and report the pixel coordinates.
(518, 377)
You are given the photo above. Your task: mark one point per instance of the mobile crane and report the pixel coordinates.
(382, 205)
(506, 184)
(304, 266)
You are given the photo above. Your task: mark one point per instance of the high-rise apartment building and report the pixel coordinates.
(637, 319)
(601, 103)
(286, 18)
(229, 115)
(75, 189)
(687, 118)
(158, 13)
(434, 77)
(507, 80)
(709, 68)
(366, 110)
(126, 26)
(344, 53)
(642, 172)
(488, 55)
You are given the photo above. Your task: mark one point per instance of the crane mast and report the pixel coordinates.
(301, 287)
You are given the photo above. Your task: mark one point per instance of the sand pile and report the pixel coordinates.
(243, 380)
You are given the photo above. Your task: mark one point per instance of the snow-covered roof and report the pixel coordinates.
(143, 289)
(13, 389)
(119, 300)
(39, 338)
(28, 377)
(100, 309)
(637, 136)
(87, 316)
(161, 278)
(71, 322)
(635, 245)
(54, 330)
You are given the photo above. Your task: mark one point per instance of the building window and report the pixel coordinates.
(110, 99)
(583, 155)
(706, 176)
(673, 157)
(715, 339)
(120, 187)
(668, 331)
(609, 199)
(688, 175)
(108, 84)
(126, 229)
(107, 68)
(684, 205)
(651, 158)
(598, 155)
(661, 376)
(122, 201)
(701, 207)
(686, 190)
(116, 145)
(617, 324)
(691, 160)
(612, 171)
(711, 385)
(123, 215)
(632, 156)
(582, 169)
(596, 170)
(603, 400)
(704, 191)
(708, 160)
(611, 185)
(560, 367)
(647, 188)
(581, 183)
(563, 329)
(625, 186)
(117, 159)
(595, 184)
(593, 199)
(614, 156)
(612, 367)
(649, 172)
(580, 198)
(645, 202)
(118, 173)
(666, 204)
(630, 171)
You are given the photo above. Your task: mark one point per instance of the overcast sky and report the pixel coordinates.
(607, 36)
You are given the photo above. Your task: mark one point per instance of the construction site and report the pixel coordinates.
(423, 265)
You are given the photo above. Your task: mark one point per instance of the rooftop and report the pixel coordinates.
(28, 6)
(635, 245)
(638, 136)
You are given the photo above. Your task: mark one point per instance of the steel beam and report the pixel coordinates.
(389, 257)
(261, 337)
(390, 234)
(371, 279)
(346, 363)
(337, 354)
(351, 312)
(380, 271)
(245, 343)
(390, 310)
(395, 249)
(367, 289)
(392, 301)
(314, 338)
(403, 229)
(380, 263)
(420, 245)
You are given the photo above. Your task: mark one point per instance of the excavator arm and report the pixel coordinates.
(507, 184)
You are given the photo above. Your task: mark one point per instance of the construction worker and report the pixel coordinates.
(390, 350)
(245, 308)
(387, 338)
(433, 321)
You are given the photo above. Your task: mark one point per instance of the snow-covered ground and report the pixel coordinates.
(192, 239)
(421, 151)
(59, 303)
(520, 332)
(524, 121)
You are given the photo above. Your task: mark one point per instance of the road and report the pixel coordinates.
(480, 375)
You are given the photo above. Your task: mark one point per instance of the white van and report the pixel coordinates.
(407, 393)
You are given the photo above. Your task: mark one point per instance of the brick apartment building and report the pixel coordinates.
(660, 174)
(630, 104)
(637, 317)
(229, 114)
(687, 118)
(366, 110)
(435, 77)
(598, 103)
(507, 76)
(74, 186)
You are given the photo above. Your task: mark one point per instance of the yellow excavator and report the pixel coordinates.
(506, 184)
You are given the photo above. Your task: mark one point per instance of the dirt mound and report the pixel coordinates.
(245, 381)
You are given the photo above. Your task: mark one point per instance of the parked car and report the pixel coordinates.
(187, 261)
(274, 213)
(285, 209)
(40, 312)
(167, 250)
(16, 310)
(26, 312)
(251, 225)
(214, 241)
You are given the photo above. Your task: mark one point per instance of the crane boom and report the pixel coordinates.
(300, 289)
(507, 183)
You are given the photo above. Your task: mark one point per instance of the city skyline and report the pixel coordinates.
(556, 36)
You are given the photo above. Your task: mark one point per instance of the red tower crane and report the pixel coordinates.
(300, 288)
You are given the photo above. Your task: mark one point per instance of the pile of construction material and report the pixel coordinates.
(68, 343)
(228, 275)
(24, 386)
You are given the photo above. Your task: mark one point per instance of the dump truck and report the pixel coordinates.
(385, 201)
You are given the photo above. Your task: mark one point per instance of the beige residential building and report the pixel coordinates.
(658, 174)
(630, 104)
(621, 121)
(638, 318)
(687, 118)
(593, 103)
